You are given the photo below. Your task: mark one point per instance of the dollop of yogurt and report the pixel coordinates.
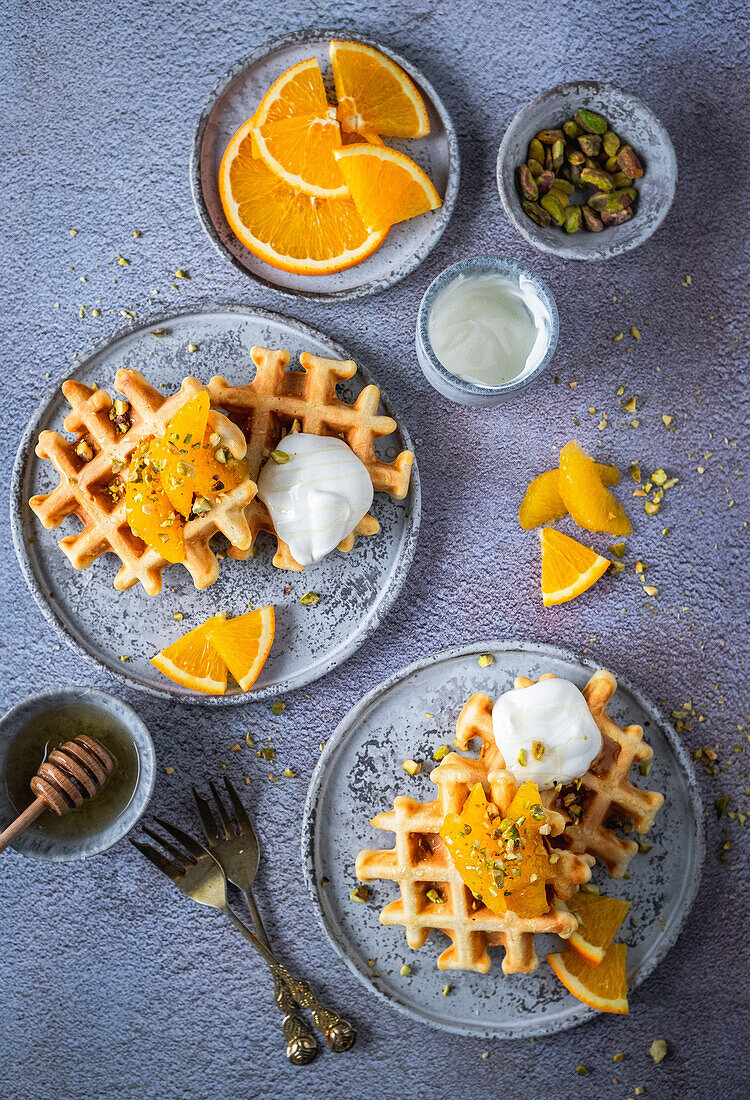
(546, 732)
(318, 497)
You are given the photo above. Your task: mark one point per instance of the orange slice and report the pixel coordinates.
(599, 918)
(175, 453)
(148, 509)
(374, 93)
(603, 987)
(590, 504)
(503, 861)
(193, 662)
(542, 502)
(244, 643)
(387, 186)
(298, 91)
(300, 151)
(283, 226)
(568, 568)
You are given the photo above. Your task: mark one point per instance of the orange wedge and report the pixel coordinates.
(193, 662)
(568, 568)
(300, 151)
(603, 987)
(284, 226)
(244, 643)
(298, 91)
(387, 186)
(599, 918)
(590, 504)
(374, 93)
(542, 502)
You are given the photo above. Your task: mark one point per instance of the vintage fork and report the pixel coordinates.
(239, 855)
(199, 876)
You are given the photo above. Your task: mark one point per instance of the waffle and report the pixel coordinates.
(91, 488)
(606, 798)
(266, 410)
(420, 862)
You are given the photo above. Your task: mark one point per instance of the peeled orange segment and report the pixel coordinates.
(386, 186)
(176, 451)
(479, 841)
(298, 91)
(568, 568)
(590, 504)
(374, 93)
(149, 511)
(300, 151)
(603, 987)
(542, 502)
(244, 643)
(193, 662)
(283, 226)
(599, 918)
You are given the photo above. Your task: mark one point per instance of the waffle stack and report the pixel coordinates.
(92, 468)
(279, 401)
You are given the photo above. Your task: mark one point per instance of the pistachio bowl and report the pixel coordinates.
(635, 124)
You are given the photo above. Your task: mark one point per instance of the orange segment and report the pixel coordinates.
(300, 151)
(298, 91)
(244, 643)
(283, 226)
(387, 186)
(375, 94)
(568, 568)
(598, 920)
(590, 504)
(503, 861)
(148, 509)
(175, 453)
(193, 662)
(603, 987)
(542, 502)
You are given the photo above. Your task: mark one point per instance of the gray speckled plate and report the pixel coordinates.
(234, 100)
(356, 589)
(360, 772)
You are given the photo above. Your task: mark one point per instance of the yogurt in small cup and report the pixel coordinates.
(486, 328)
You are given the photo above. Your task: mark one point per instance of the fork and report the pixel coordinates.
(235, 848)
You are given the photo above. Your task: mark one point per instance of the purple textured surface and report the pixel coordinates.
(113, 984)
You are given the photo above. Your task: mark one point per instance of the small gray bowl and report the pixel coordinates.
(461, 390)
(40, 845)
(631, 120)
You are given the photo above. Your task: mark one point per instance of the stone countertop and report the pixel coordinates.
(113, 985)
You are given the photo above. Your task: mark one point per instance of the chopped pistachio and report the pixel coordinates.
(411, 767)
(537, 749)
(667, 420)
(645, 768)
(360, 893)
(635, 472)
(485, 660)
(521, 758)
(554, 857)
(169, 771)
(619, 337)
(178, 616)
(289, 773)
(122, 261)
(309, 599)
(619, 1057)
(441, 753)
(635, 333)
(277, 707)
(658, 1050)
(181, 274)
(159, 332)
(581, 1071)
(446, 990)
(618, 549)
(280, 457)
(589, 888)
(651, 507)
(434, 897)
(405, 971)
(721, 804)
(651, 590)
(124, 657)
(616, 567)
(629, 406)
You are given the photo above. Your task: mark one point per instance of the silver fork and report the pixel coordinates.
(235, 847)
(200, 877)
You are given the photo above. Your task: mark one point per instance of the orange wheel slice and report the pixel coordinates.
(300, 151)
(298, 91)
(374, 93)
(568, 568)
(387, 186)
(599, 918)
(244, 643)
(193, 662)
(542, 502)
(603, 987)
(282, 225)
(590, 504)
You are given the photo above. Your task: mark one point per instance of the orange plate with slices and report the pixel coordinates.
(374, 259)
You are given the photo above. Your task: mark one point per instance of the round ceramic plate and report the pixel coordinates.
(360, 773)
(356, 589)
(232, 103)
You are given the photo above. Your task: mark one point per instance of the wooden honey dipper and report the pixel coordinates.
(76, 771)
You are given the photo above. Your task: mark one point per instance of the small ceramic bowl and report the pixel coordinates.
(462, 390)
(635, 124)
(35, 841)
